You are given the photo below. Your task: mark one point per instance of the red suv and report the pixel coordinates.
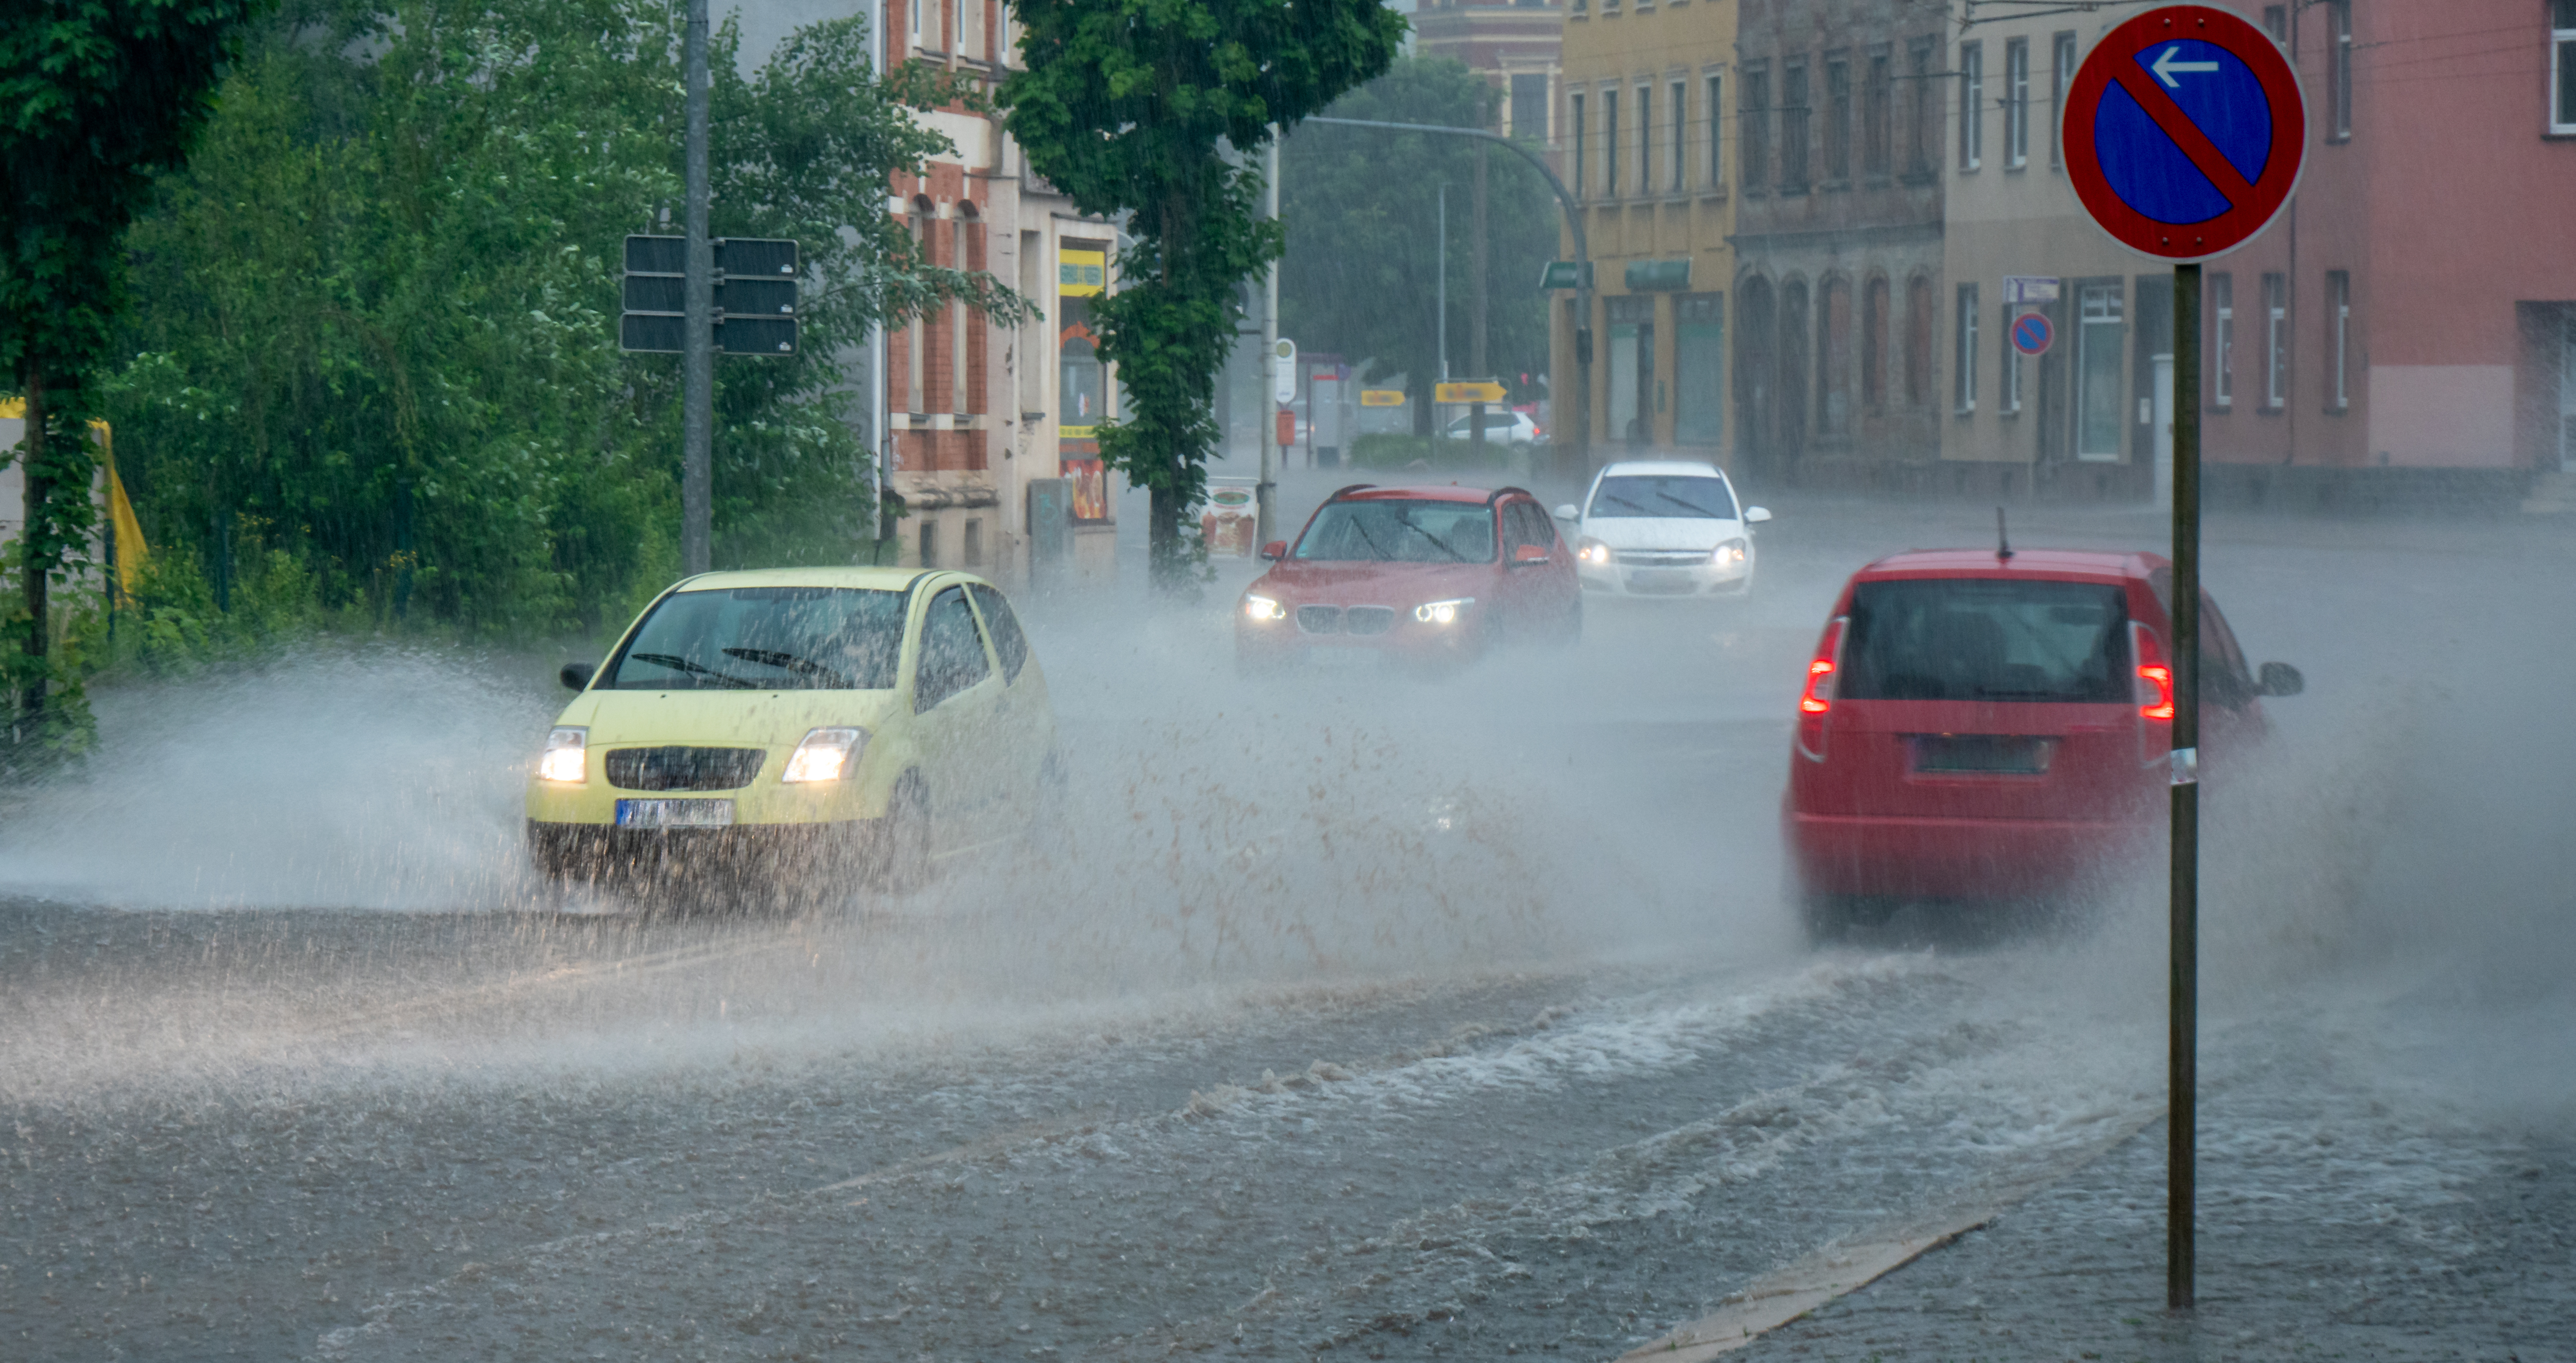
(1985, 725)
(1431, 575)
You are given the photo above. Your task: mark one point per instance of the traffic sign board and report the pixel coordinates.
(1485, 390)
(1381, 397)
(2031, 334)
(2185, 132)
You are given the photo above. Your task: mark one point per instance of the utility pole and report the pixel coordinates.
(1476, 309)
(1265, 491)
(1440, 273)
(697, 356)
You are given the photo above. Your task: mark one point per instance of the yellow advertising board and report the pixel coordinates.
(1381, 397)
(1483, 391)
(1082, 274)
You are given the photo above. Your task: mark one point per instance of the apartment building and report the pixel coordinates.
(2091, 416)
(976, 411)
(1648, 95)
(1840, 107)
(1513, 43)
(2408, 328)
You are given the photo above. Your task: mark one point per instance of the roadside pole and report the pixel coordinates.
(1265, 492)
(1476, 267)
(2182, 1040)
(697, 357)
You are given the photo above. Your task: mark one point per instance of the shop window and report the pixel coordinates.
(2101, 336)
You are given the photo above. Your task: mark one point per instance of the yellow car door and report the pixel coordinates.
(955, 695)
(1024, 727)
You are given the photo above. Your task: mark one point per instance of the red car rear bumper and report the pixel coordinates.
(1954, 858)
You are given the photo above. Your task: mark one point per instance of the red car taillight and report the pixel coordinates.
(2154, 692)
(1817, 700)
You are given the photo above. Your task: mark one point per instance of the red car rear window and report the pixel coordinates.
(1989, 639)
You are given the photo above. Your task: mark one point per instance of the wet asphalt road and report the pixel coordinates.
(1364, 1017)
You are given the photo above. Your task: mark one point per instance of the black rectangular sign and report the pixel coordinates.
(656, 293)
(755, 257)
(652, 331)
(657, 255)
(772, 336)
(754, 298)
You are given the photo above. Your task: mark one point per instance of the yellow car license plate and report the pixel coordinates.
(675, 813)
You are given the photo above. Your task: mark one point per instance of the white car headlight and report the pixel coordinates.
(1730, 553)
(1263, 608)
(826, 755)
(1443, 612)
(1593, 551)
(567, 756)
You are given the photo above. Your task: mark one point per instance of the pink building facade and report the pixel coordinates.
(2408, 326)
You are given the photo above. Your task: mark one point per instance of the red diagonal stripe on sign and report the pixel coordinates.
(2186, 134)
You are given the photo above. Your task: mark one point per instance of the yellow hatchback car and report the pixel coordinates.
(867, 718)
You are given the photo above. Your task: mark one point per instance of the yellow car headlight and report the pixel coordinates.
(1443, 612)
(1263, 608)
(826, 755)
(1593, 552)
(567, 756)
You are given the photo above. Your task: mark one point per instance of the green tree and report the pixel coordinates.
(1153, 110)
(96, 97)
(377, 332)
(1361, 274)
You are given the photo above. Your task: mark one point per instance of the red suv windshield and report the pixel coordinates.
(1393, 531)
(1990, 639)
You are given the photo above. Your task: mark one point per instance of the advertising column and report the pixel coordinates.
(1082, 392)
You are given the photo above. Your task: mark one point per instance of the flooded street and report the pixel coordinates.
(1355, 1012)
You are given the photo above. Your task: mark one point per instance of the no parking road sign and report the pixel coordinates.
(2031, 334)
(2184, 132)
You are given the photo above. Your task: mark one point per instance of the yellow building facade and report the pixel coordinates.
(1642, 141)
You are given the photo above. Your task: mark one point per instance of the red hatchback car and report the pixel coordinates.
(1428, 575)
(1985, 725)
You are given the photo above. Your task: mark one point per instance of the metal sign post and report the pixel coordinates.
(2185, 134)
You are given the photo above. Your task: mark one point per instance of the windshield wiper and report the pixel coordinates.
(1692, 507)
(1632, 506)
(1435, 539)
(1362, 531)
(677, 663)
(768, 657)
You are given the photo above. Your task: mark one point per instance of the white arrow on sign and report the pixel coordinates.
(2166, 66)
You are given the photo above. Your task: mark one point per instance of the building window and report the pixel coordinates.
(958, 327)
(1575, 118)
(1753, 163)
(2339, 342)
(1679, 96)
(2008, 401)
(2017, 103)
(970, 41)
(2222, 315)
(913, 30)
(1838, 119)
(2061, 73)
(1972, 105)
(1529, 108)
(1918, 74)
(1918, 341)
(2276, 21)
(2276, 341)
(1645, 139)
(1877, 101)
(1716, 141)
(1793, 127)
(1873, 344)
(2339, 69)
(1609, 144)
(1834, 357)
(916, 340)
(1967, 361)
(2562, 67)
(2098, 343)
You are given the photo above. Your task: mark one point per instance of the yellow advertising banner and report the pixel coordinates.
(1481, 391)
(1381, 397)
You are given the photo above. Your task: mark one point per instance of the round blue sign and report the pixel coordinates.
(2031, 334)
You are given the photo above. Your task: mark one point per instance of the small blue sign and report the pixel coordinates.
(2032, 334)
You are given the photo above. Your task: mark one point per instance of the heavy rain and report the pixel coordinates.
(1585, 771)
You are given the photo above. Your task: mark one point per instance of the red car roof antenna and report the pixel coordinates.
(2003, 541)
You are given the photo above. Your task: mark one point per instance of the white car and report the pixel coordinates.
(1663, 528)
(1503, 426)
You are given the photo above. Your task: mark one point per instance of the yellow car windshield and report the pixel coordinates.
(766, 639)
